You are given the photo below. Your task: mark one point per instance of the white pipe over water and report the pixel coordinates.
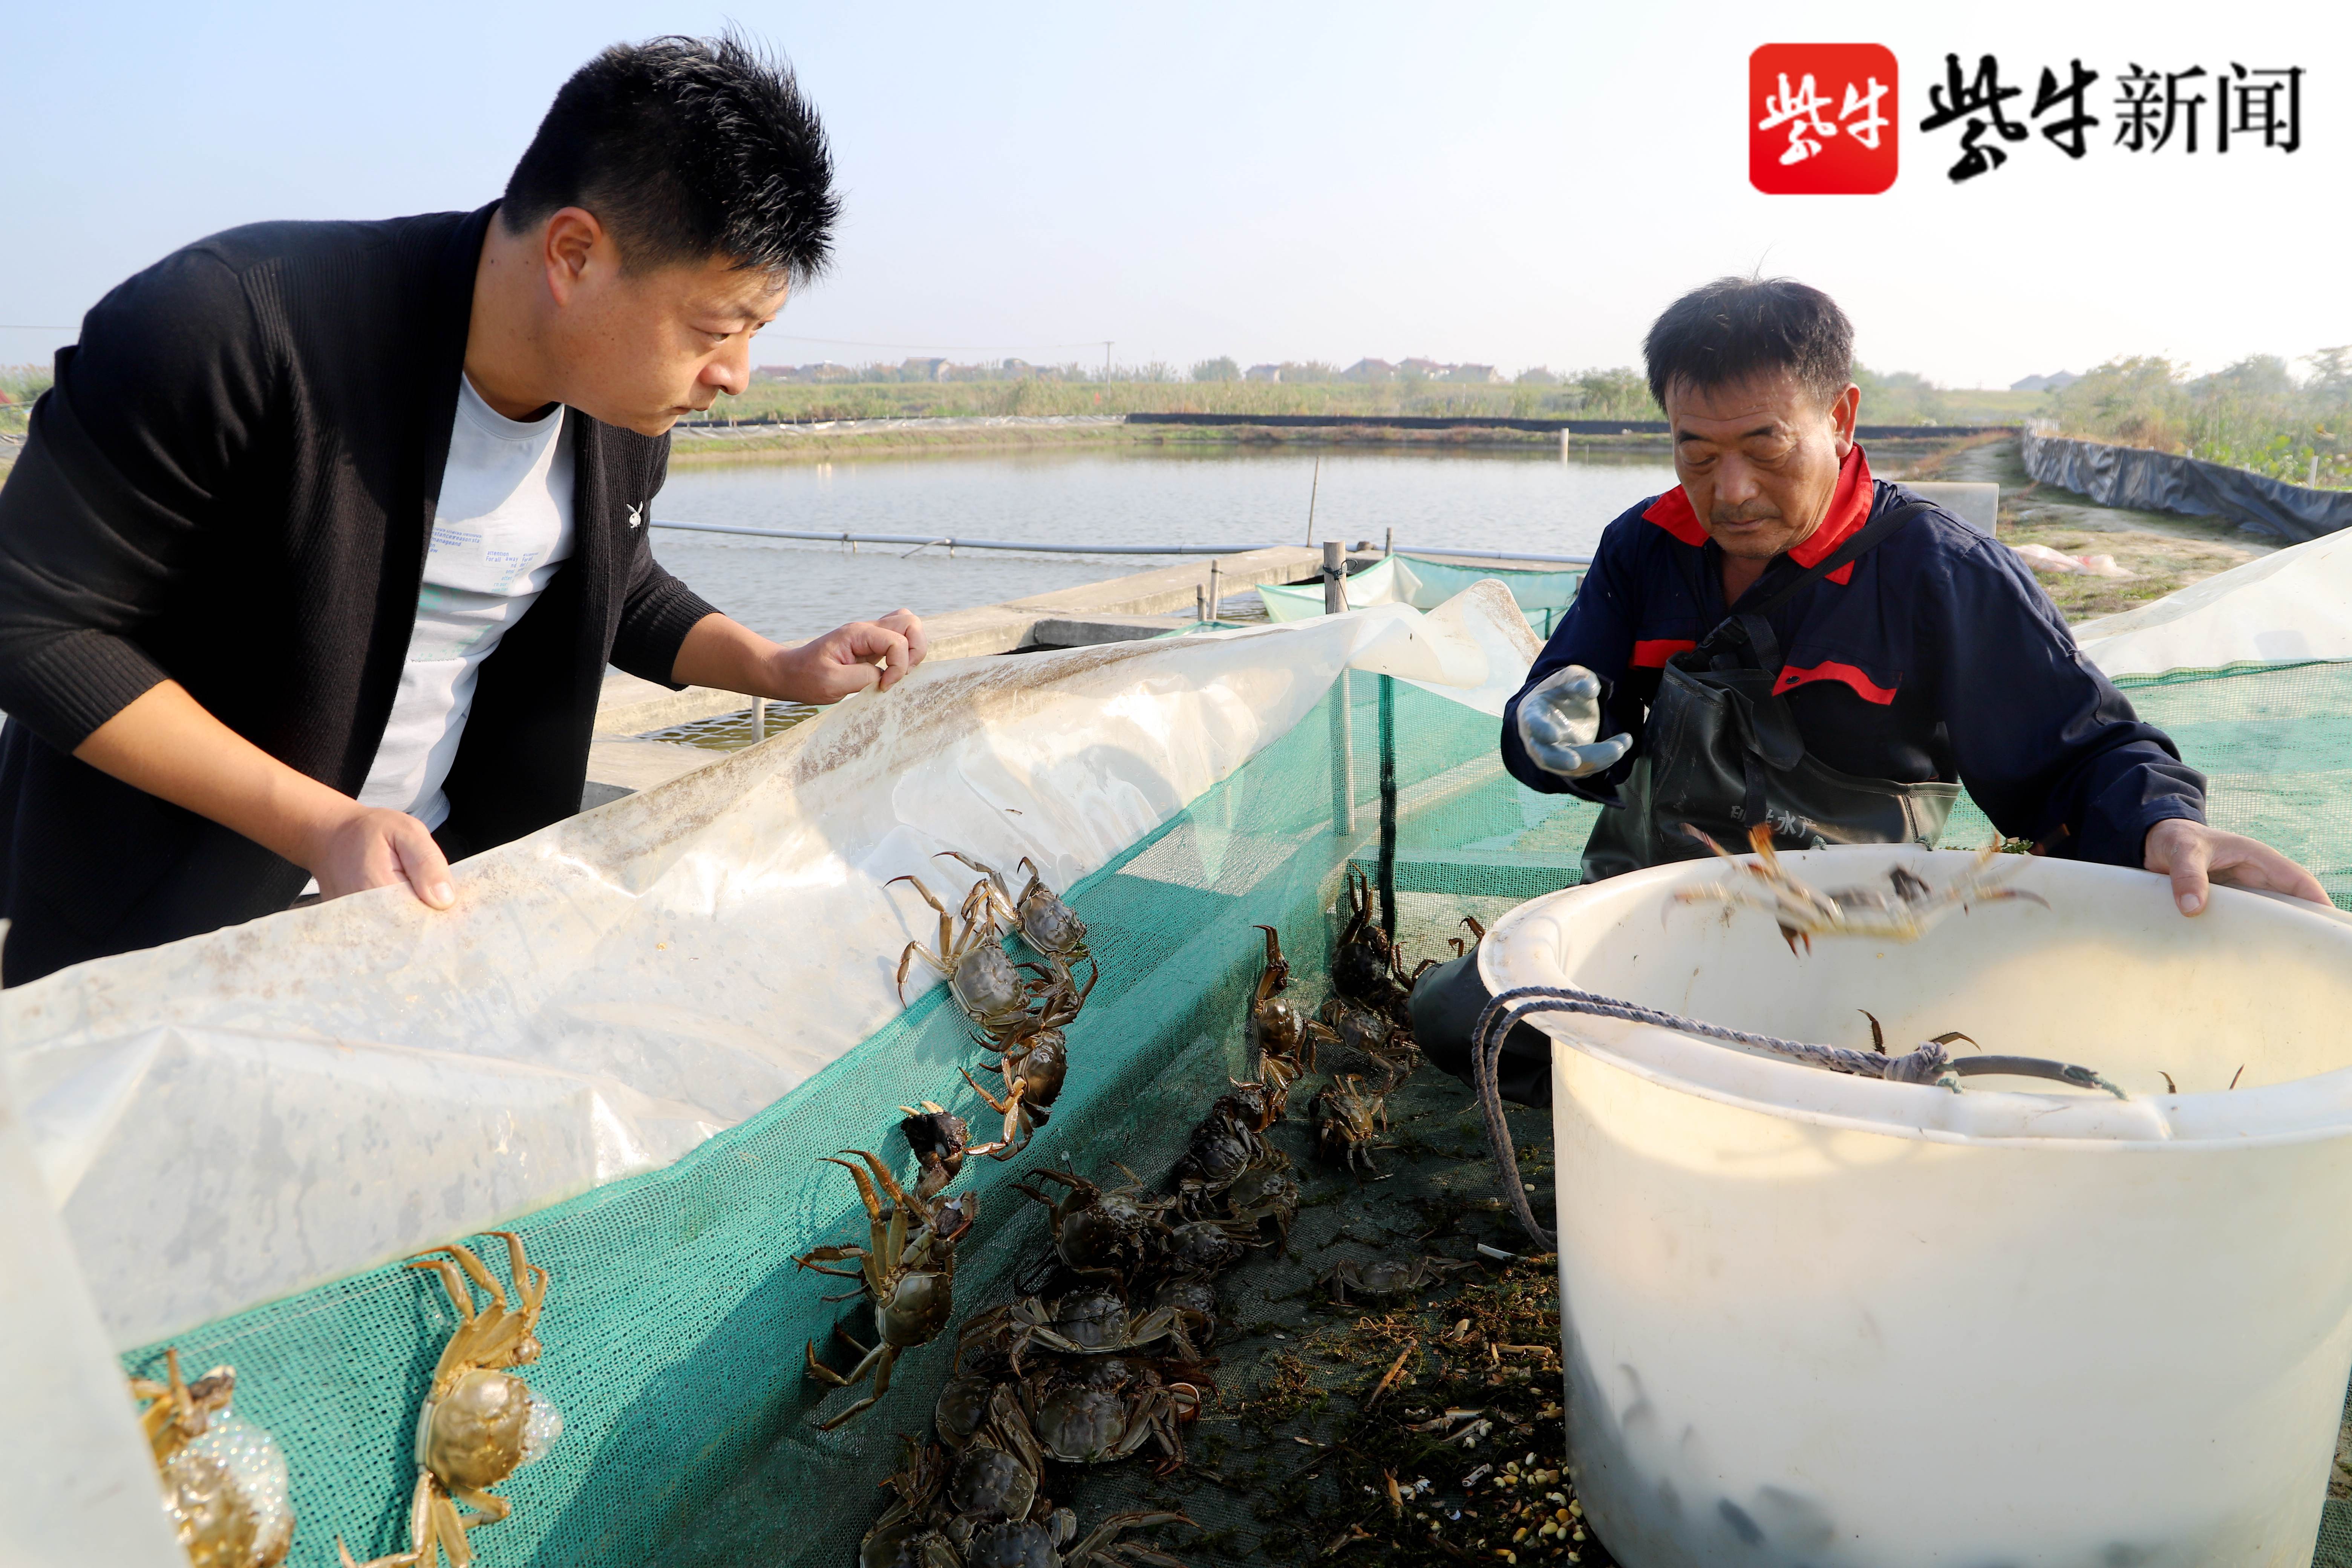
(1028, 546)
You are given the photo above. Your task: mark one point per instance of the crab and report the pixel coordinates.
(1477, 935)
(480, 1422)
(1905, 912)
(1359, 1035)
(907, 1273)
(1046, 922)
(987, 984)
(1096, 1321)
(225, 1480)
(1225, 1144)
(1365, 965)
(1033, 1063)
(1347, 1121)
(1031, 1543)
(912, 1531)
(1109, 1409)
(1202, 1247)
(941, 1139)
(1102, 1233)
(1195, 1303)
(998, 1473)
(1263, 1192)
(1280, 1039)
(963, 1404)
(1384, 1277)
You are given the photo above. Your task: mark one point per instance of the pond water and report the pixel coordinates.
(1227, 496)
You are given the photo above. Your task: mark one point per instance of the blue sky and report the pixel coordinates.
(1513, 184)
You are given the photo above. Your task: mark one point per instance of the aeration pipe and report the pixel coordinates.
(920, 540)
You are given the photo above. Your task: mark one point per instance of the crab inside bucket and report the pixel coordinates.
(1822, 1319)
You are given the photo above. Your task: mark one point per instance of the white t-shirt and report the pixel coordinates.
(503, 526)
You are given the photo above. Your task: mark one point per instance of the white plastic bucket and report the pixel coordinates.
(1823, 1319)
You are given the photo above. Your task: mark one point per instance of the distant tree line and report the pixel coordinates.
(2255, 414)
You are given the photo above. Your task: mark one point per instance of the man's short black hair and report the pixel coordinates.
(686, 148)
(1734, 328)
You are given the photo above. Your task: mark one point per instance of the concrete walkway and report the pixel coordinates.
(621, 762)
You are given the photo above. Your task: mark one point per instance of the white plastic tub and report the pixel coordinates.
(1822, 1320)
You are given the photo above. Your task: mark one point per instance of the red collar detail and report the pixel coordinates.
(1849, 508)
(1672, 512)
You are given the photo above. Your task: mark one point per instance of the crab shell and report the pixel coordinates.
(906, 1543)
(1266, 1193)
(1107, 1233)
(987, 986)
(1363, 967)
(1280, 1029)
(1082, 1426)
(489, 1425)
(962, 1407)
(1092, 1319)
(1197, 1297)
(1204, 1246)
(916, 1309)
(1019, 1545)
(226, 1494)
(991, 1483)
(1385, 1276)
(1220, 1152)
(1043, 1067)
(1051, 926)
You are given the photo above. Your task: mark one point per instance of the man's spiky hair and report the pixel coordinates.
(686, 148)
(1734, 328)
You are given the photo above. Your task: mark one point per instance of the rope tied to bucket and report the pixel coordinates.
(1927, 1064)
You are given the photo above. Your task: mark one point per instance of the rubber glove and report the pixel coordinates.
(1560, 725)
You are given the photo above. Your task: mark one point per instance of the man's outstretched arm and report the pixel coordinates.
(863, 655)
(164, 741)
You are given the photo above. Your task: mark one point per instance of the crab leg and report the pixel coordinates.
(882, 1358)
(1277, 968)
(451, 1282)
(1003, 895)
(947, 922)
(529, 1279)
(890, 1185)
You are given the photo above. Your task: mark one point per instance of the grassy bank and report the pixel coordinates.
(2254, 415)
(1587, 395)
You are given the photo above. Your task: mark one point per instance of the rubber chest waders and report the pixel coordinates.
(1720, 751)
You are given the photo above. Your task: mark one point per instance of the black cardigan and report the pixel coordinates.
(232, 485)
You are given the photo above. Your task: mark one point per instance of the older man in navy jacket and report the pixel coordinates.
(1784, 641)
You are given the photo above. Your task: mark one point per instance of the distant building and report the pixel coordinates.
(1422, 369)
(923, 370)
(1370, 370)
(1472, 372)
(2058, 382)
(1262, 373)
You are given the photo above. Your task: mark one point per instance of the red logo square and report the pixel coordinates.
(1822, 119)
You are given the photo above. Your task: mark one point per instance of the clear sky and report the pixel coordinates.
(1501, 183)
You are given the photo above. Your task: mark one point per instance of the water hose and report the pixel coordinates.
(1927, 1064)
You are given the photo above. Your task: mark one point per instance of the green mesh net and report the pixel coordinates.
(674, 1328)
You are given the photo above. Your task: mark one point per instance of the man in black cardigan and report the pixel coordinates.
(231, 590)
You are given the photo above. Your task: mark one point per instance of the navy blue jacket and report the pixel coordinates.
(1938, 658)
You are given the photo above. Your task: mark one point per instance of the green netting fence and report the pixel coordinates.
(674, 1326)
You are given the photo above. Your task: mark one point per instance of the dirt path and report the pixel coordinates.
(2163, 552)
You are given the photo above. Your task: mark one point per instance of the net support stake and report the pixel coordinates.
(1343, 758)
(1388, 809)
